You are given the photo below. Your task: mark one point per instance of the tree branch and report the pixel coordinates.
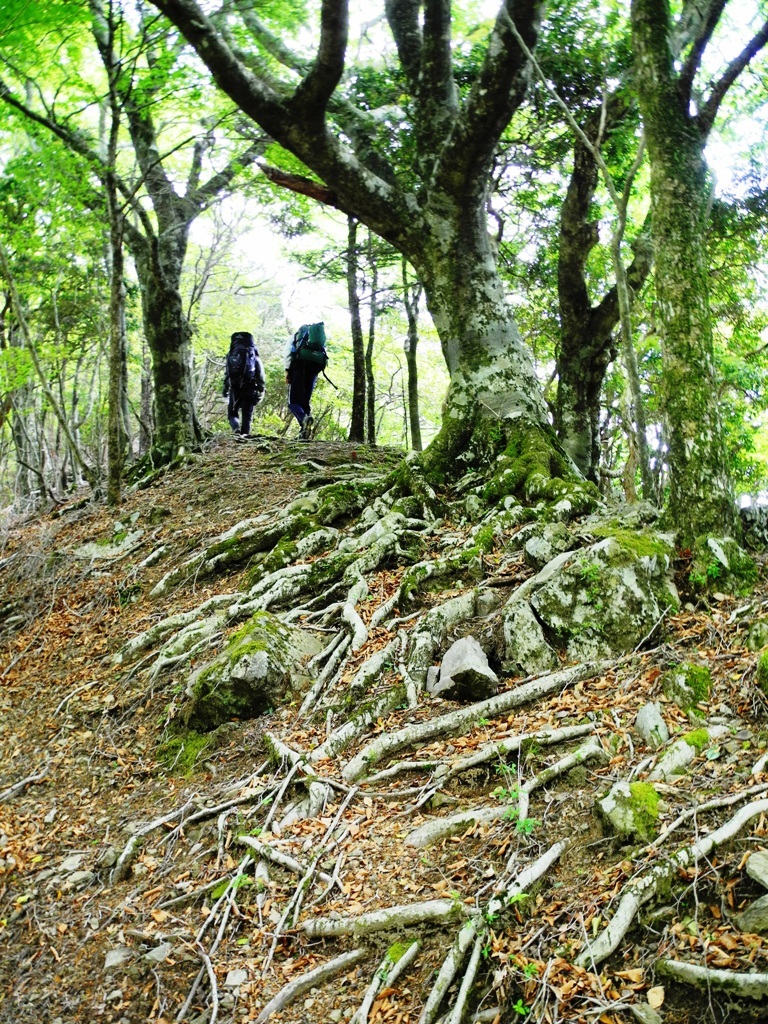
(701, 40)
(706, 116)
(403, 19)
(496, 94)
(315, 90)
(303, 186)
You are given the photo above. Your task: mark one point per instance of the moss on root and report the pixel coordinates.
(180, 753)
(518, 458)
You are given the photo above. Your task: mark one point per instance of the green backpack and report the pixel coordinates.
(309, 346)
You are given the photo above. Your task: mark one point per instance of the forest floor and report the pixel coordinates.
(81, 773)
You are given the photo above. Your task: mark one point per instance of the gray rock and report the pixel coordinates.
(645, 1013)
(79, 879)
(109, 857)
(599, 602)
(549, 540)
(674, 761)
(433, 674)
(236, 978)
(651, 726)
(631, 809)
(757, 867)
(159, 953)
(757, 635)
(487, 601)
(528, 652)
(465, 674)
(117, 957)
(71, 864)
(252, 675)
(754, 520)
(755, 918)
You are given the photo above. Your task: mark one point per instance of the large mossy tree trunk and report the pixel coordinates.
(700, 499)
(494, 416)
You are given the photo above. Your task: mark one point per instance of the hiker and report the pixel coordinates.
(305, 358)
(243, 381)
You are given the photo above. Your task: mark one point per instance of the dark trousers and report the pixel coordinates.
(243, 404)
(301, 383)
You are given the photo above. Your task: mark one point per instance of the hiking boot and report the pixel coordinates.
(306, 427)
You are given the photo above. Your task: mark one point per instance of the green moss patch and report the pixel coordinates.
(687, 684)
(761, 672)
(180, 753)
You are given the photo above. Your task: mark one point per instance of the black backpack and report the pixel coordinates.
(309, 346)
(241, 363)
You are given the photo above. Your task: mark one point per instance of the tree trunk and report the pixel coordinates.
(357, 414)
(700, 499)
(411, 294)
(587, 332)
(370, 383)
(146, 426)
(116, 345)
(168, 335)
(494, 412)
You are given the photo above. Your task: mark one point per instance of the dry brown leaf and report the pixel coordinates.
(656, 997)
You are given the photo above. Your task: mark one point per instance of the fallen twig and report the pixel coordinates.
(22, 784)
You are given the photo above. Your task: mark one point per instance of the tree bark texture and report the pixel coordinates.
(411, 294)
(370, 380)
(357, 413)
(587, 332)
(700, 500)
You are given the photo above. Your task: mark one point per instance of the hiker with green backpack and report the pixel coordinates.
(305, 358)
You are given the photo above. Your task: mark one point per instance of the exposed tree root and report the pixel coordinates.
(283, 860)
(456, 721)
(746, 985)
(498, 751)
(387, 973)
(124, 861)
(474, 931)
(441, 828)
(318, 976)
(388, 918)
(647, 886)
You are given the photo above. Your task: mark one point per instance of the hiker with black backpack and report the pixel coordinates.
(244, 381)
(305, 358)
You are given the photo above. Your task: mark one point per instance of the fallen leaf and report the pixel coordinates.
(656, 997)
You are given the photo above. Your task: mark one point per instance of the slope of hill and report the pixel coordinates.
(361, 849)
